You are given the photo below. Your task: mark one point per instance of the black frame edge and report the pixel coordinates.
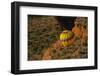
(96, 37)
(56, 70)
(54, 5)
(14, 38)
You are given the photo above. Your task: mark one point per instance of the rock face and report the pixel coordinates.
(80, 29)
(44, 39)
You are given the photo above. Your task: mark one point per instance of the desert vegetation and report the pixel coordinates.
(44, 38)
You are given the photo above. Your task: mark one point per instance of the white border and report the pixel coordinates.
(26, 65)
